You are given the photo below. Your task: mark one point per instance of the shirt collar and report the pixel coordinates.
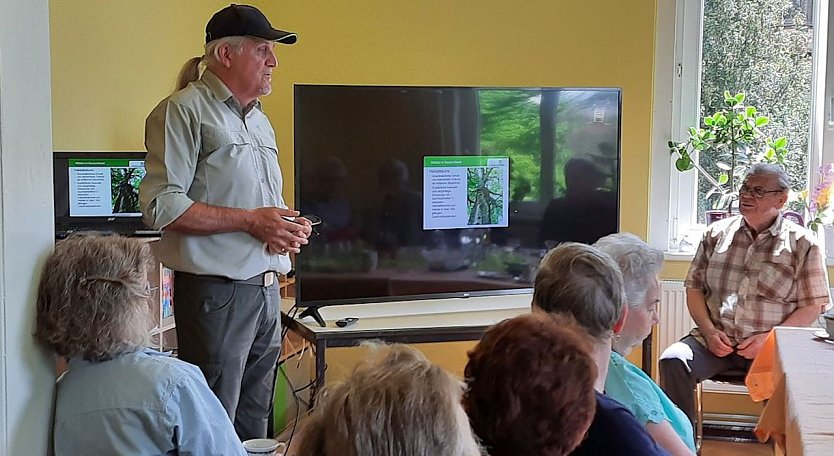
(777, 225)
(774, 228)
(216, 85)
(80, 361)
(222, 93)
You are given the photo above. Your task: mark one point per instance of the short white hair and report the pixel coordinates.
(639, 262)
(212, 53)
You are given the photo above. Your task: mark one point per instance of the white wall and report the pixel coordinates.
(26, 222)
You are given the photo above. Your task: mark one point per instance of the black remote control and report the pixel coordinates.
(346, 321)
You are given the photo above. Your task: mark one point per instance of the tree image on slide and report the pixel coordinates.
(124, 184)
(484, 195)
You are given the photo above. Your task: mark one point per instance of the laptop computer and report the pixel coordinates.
(99, 191)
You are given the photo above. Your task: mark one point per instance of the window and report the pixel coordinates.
(769, 49)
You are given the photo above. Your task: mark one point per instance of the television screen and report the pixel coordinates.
(98, 191)
(448, 191)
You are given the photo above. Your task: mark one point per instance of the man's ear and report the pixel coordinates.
(224, 52)
(618, 326)
(783, 200)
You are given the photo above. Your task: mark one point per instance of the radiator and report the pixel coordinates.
(674, 319)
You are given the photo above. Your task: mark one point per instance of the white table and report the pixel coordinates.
(435, 320)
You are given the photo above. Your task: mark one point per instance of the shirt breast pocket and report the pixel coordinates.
(226, 169)
(223, 140)
(776, 278)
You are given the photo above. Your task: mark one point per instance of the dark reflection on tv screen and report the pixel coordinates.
(436, 191)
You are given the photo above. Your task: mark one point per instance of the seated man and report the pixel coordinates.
(119, 397)
(751, 272)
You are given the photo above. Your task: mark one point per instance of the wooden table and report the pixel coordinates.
(795, 372)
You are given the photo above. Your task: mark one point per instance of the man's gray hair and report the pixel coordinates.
(190, 70)
(639, 262)
(584, 282)
(759, 169)
(93, 299)
(395, 402)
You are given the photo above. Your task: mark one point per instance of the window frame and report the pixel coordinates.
(677, 79)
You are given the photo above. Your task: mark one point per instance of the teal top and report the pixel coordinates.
(634, 389)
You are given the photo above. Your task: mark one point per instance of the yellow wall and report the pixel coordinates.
(112, 61)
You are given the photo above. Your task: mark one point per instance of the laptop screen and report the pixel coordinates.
(98, 191)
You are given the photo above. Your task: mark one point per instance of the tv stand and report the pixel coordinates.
(313, 312)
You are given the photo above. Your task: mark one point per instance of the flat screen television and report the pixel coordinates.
(429, 192)
(98, 191)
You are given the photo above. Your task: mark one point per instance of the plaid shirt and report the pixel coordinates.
(753, 284)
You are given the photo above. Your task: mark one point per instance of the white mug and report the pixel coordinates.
(264, 447)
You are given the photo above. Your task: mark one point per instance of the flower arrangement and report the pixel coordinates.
(818, 202)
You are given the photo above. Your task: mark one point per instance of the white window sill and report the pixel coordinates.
(679, 256)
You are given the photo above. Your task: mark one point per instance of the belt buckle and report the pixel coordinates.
(269, 278)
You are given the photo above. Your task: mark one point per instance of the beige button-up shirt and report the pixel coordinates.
(203, 146)
(753, 284)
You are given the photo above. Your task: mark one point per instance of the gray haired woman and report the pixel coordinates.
(119, 397)
(395, 402)
(640, 265)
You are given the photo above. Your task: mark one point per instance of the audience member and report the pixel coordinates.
(117, 396)
(581, 281)
(395, 402)
(751, 272)
(533, 374)
(629, 385)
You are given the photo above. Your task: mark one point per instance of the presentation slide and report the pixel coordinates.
(105, 188)
(464, 191)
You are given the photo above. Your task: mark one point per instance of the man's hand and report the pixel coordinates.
(750, 347)
(281, 236)
(306, 228)
(718, 342)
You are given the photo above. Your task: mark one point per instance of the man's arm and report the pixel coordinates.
(267, 224)
(812, 295)
(801, 317)
(172, 138)
(717, 340)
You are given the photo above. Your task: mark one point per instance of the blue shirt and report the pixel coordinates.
(630, 386)
(614, 431)
(140, 403)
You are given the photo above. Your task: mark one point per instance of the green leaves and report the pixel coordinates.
(684, 163)
(732, 140)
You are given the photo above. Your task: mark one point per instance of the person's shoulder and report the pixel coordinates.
(615, 431)
(168, 366)
(633, 389)
(797, 232)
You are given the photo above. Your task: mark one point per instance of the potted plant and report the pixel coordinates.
(729, 141)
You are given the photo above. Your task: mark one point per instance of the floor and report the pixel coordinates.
(718, 448)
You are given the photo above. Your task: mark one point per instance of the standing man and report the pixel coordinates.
(751, 272)
(213, 186)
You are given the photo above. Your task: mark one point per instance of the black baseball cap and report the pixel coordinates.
(245, 20)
